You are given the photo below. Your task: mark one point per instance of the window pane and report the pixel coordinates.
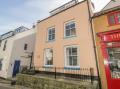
(73, 32)
(72, 25)
(75, 61)
(49, 62)
(118, 17)
(70, 29)
(71, 55)
(50, 37)
(51, 34)
(53, 31)
(67, 32)
(48, 57)
(70, 61)
(67, 51)
(67, 27)
(25, 46)
(0, 64)
(4, 48)
(70, 51)
(114, 62)
(74, 51)
(111, 19)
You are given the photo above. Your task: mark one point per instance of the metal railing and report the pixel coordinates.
(80, 74)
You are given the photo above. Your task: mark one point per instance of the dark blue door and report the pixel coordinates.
(16, 67)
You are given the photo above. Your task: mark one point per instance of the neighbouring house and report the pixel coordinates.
(16, 47)
(64, 39)
(106, 26)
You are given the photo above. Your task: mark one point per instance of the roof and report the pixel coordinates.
(111, 6)
(61, 11)
(64, 6)
(12, 33)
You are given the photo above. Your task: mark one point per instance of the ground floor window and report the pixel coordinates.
(1, 64)
(48, 57)
(114, 61)
(71, 56)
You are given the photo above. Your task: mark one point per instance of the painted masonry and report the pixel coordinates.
(72, 37)
(13, 48)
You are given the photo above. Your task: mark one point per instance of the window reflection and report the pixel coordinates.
(114, 61)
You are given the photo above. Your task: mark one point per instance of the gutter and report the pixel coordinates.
(94, 46)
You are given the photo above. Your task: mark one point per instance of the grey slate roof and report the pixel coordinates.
(112, 4)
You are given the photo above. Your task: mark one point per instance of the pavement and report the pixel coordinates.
(6, 84)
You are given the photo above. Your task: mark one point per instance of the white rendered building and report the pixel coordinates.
(15, 50)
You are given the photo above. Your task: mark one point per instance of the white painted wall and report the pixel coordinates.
(5, 55)
(15, 51)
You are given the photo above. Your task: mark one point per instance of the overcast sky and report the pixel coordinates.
(14, 13)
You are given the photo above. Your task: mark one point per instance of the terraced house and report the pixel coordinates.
(107, 36)
(15, 48)
(64, 40)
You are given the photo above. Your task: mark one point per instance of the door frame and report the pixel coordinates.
(106, 37)
(15, 65)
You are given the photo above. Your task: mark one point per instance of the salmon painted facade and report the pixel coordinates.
(64, 39)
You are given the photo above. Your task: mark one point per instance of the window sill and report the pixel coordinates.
(72, 68)
(49, 41)
(68, 37)
(48, 66)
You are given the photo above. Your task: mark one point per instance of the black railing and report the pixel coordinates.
(82, 74)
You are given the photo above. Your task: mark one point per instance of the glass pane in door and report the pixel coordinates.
(114, 62)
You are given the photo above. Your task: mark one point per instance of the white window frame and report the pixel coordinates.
(69, 22)
(45, 58)
(78, 56)
(49, 34)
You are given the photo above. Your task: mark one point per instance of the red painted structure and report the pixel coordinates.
(112, 37)
(116, 16)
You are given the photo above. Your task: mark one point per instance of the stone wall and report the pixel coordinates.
(35, 82)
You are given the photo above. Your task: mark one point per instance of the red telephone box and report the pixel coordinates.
(110, 46)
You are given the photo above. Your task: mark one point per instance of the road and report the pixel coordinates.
(2, 86)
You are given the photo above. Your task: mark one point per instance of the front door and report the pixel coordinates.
(16, 67)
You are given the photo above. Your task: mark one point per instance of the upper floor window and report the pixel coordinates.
(70, 29)
(114, 18)
(25, 46)
(4, 47)
(51, 34)
(0, 43)
(1, 64)
(48, 57)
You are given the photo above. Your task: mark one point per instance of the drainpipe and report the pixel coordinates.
(31, 60)
(94, 44)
